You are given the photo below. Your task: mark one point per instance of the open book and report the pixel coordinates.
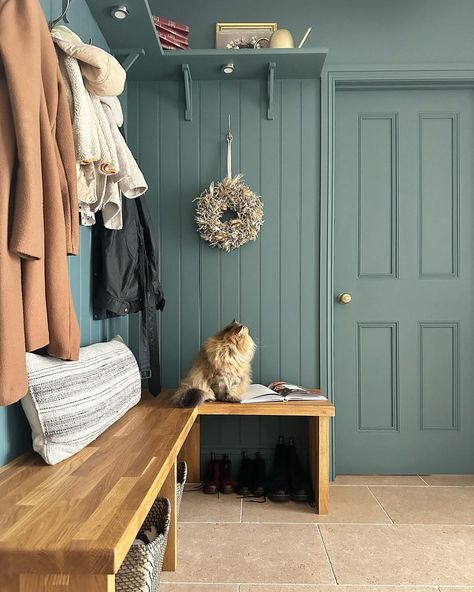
(280, 392)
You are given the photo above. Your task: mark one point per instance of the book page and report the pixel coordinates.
(257, 390)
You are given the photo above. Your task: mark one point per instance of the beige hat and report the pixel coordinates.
(103, 75)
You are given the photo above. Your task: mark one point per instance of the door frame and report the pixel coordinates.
(334, 78)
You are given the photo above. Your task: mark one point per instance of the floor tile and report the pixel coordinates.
(291, 588)
(427, 505)
(457, 589)
(448, 480)
(199, 587)
(379, 480)
(404, 555)
(196, 506)
(453, 589)
(346, 505)
(250, 553)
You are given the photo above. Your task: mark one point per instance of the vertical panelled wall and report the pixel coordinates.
(15, 434)
(270, 284)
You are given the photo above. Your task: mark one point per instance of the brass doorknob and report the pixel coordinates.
(344, 298)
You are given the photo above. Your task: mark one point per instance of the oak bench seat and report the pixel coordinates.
(70, 526)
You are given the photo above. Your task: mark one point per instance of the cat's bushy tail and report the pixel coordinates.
(189, 397)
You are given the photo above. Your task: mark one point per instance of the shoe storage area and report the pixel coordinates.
(286, 477)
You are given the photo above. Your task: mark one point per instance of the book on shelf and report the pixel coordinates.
(172, 40)
(171, 45)
(160, 21)
(179, 35)
(280, 392)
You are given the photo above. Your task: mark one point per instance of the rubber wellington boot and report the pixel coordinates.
(226, 485)
(245, 475)
(300, 485)
(279, 486)
(258, 482)
(211, 484)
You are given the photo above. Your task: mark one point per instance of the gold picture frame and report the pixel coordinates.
(239, 35)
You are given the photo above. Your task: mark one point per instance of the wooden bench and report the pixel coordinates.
(68, 528)
(318, 414)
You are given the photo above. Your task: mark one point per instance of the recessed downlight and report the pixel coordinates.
(228, 68)
(120, 12)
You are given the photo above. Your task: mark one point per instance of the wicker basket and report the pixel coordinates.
(141, 568)
(182, 471)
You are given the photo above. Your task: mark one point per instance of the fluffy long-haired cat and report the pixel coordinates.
(222, 370)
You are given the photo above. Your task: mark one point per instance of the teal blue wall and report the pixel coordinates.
(270, 284)
(15, 435)
(355, 31)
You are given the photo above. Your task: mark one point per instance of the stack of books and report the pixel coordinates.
(172, 35)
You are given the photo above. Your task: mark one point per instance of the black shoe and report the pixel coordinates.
(258, 481)
(226, 484)
(245, 477)
(300, 485)
(279, 487)
(211, 484)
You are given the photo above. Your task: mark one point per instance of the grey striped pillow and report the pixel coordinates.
(69, 404)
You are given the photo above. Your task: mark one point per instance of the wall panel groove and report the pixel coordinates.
(270, 284)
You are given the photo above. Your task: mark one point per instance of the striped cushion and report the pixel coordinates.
(69, 404)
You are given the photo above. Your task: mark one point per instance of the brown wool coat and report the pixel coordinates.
(38, 198)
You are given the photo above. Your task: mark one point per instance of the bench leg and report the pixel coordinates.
(57, 583)
(191, 452)
(169, 491)
(319, 461)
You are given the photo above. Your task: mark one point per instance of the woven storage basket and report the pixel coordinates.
(141, 568)
(182, 471)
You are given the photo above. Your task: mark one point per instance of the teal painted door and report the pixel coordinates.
(404, 225)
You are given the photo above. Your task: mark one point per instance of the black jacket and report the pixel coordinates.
(125, 280)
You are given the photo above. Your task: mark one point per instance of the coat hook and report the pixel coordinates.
(62, 16)
(229, 133)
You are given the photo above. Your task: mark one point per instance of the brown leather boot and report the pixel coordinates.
(226, 483)
(211, 484)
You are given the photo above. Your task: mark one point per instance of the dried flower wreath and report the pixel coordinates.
(229, 194)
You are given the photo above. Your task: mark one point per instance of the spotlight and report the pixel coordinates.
(228, 68)
(120, 12)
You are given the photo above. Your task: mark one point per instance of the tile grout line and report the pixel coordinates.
(441, 524)
(327, 554)
(420, 477)
(335, 586)
(380, 504)
(322, 523)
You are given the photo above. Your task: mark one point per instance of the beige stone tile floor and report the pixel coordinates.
(383, 534)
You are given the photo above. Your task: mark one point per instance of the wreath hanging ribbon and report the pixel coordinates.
(229, 194)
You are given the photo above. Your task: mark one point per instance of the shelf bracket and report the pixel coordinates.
(188, 93)
(132, 55)
(270, 90)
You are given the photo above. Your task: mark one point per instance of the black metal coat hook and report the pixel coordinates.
(63, 16)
